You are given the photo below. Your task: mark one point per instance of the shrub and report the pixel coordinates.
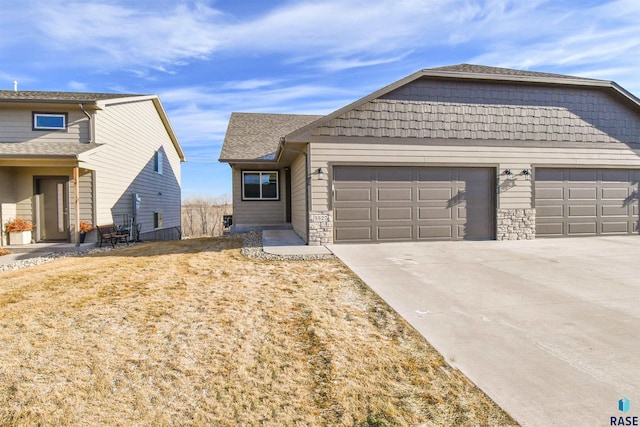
(17, 225)
(85, 227)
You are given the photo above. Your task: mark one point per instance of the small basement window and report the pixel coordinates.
(158, 162)
(49, 121)
(260, 185)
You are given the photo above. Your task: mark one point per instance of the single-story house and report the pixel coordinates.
(456, 152)
(67, 157)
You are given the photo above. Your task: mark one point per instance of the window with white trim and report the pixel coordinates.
(261, 185)
(49, 121)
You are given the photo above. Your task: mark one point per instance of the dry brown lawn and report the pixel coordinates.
(193, 333)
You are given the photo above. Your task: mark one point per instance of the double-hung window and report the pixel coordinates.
(49, 121)
(260, 185)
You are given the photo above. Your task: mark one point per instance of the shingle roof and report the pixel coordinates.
(255, 136)
(35, 96)
(496, 71)
(37, 149)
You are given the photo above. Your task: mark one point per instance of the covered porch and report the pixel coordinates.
(54, 195)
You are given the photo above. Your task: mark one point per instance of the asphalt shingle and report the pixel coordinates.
(255, 136)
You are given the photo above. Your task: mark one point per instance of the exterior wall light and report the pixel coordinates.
(527, 174)
(508, 174)
(320, 173)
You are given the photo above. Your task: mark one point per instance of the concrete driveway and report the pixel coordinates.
(549, 329)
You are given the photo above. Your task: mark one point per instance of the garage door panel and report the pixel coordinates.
(397, 214)
(615, 211)
(615, 193)
(353, 194)
(590, 210)
(395, 174)
(594, 202)
(549, 175)
(462, 212)
(353, 214)
(615, 228)
(434, 194)
(433, 232)
(394, 194)
(584, 175)
(550, 211)
(582, 193)
(582, 228)
(550, 193)
(395, 233)
(434, 213)
(352, 174)
(549, 228)
(617, 175)
(414, 203)
(435, 174)
(353, 234)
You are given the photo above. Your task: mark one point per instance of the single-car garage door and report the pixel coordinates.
(377, 204)
(586, 202)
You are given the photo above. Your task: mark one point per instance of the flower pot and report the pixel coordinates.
(20, 238)
(83, 235)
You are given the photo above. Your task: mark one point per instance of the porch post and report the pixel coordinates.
(76, 192)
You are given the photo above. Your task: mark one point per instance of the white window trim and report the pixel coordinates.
(260, 180)
(35, 121)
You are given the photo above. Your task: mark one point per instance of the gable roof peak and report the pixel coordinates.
(473, 69)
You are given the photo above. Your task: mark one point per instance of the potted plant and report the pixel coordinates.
(19, 231)
(85, 227)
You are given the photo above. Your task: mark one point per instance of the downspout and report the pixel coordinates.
(90, 122)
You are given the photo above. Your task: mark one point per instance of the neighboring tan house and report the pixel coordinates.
(457, 152)
(67, 157)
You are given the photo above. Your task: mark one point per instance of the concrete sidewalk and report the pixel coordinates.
(287, 242)
(549, 329)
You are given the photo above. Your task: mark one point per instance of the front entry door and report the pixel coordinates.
(55, 209)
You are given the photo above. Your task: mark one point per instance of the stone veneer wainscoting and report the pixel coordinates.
(320, 228)
(516, 224)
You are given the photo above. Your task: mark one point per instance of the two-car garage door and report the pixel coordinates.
(586, 202)
(377, 204)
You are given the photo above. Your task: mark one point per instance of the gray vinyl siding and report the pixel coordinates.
(17, 125)
(516, 193)
(130, 134)
(298, 196)
(257, 212)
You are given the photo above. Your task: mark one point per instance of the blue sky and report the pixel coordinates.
(206, 59)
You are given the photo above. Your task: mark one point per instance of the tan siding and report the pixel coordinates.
(16, 125)
(513, 194)
(298, 196)
(7, 185)
(131, 133)
(257, 212)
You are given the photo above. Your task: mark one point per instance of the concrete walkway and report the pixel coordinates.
(549, 329)
(287, 242)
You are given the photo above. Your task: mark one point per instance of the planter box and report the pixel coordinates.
(20, 238)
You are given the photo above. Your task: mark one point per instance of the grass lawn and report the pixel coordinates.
(193, 333)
